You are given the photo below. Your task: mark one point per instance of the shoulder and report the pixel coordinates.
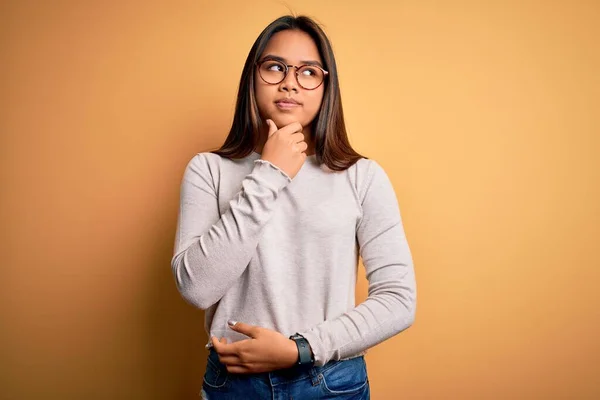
(364, 173)
(213, 167)
(209, 163)
(203, 159)
(204, 168)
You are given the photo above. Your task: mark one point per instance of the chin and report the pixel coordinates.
(282, 119)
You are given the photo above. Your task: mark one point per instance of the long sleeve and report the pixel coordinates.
(212, 250)
(390, 306)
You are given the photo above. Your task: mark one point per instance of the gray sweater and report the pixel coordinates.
(255, 246)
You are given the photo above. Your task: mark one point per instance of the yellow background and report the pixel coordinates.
(484, 115)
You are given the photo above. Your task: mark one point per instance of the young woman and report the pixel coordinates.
(271, 226)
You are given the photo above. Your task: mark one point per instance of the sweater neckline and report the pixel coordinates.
(256, 155)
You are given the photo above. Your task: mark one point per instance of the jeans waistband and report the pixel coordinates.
(287, 375)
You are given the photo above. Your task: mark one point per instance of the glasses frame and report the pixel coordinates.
(287, 70)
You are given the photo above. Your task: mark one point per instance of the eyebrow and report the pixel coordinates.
(283, 60)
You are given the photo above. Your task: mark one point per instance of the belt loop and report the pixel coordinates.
(315, 376)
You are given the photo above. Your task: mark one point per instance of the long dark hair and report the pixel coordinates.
(328, 128)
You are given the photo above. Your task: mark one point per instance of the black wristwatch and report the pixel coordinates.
(305, 356)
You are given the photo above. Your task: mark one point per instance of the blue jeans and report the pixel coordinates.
(335, 380)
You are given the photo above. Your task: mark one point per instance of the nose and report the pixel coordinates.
(289, 83)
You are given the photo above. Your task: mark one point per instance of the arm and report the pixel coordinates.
(390, 306)
(212, 251)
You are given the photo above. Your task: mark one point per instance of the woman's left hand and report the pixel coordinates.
(265, 351)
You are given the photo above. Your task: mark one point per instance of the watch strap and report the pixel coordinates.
(305, 356)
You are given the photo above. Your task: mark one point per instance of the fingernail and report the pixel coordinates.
(231, 322)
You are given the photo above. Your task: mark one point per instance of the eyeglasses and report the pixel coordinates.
(309, 77)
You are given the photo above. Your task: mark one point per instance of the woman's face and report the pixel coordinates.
(293, 47)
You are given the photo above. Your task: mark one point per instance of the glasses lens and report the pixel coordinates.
(310, 77)
(272, 71)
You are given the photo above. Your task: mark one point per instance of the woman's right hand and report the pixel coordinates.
(285, 147)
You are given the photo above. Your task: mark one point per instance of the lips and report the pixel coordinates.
(288, 100)
(286, 104)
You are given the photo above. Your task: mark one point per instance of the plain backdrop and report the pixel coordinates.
(485, 115)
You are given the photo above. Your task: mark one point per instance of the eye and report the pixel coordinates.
(273, 66)
(308, 71)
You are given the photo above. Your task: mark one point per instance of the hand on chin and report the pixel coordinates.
(282, 120)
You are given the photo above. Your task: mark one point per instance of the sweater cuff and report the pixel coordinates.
(273, 172)
(316, 346)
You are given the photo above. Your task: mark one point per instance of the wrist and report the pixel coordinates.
(292, 353)
(305, 355)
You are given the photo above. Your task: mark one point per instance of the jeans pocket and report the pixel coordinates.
(345, 377)
(216, 375)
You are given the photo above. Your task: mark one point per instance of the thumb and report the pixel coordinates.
(246, 329)
(272, 127)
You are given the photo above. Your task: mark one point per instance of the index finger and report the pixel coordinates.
(291, 128)
(225, 349)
